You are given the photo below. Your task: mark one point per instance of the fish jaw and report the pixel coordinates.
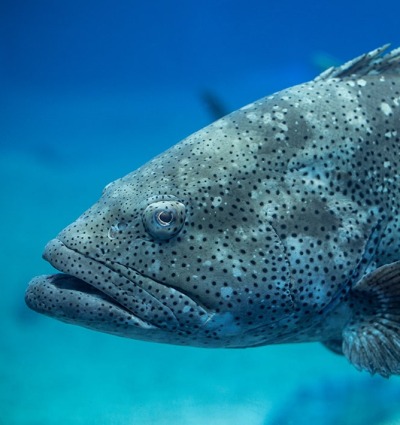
(101, 297)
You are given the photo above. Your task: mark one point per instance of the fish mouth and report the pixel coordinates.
(70, 299)
(108, 296)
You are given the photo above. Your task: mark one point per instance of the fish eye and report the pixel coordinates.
(164, 219)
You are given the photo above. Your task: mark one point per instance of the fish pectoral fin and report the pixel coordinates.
(371, 341)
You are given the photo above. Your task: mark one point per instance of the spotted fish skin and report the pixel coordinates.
(277, 223)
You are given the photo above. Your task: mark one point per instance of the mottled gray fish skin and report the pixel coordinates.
(277, 223)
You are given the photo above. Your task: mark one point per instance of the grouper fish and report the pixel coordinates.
(278, 223)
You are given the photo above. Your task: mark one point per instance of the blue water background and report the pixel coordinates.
(90, 90)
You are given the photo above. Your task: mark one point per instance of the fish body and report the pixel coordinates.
(277, 223)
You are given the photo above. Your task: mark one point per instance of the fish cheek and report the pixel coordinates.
(244, 274)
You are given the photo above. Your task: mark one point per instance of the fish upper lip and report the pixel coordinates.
(51, 254)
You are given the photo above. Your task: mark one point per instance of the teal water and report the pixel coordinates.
(66, 132)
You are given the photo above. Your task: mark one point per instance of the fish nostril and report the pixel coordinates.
(115, 229)
(112, 232)
(121, 226)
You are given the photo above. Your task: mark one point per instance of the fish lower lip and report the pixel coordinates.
(72, 300)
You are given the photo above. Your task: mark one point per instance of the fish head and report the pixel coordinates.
(174, 252)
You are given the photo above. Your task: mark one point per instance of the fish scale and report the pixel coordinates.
(277, 223)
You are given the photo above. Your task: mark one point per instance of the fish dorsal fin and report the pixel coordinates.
(372, 63)
(371, 341)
